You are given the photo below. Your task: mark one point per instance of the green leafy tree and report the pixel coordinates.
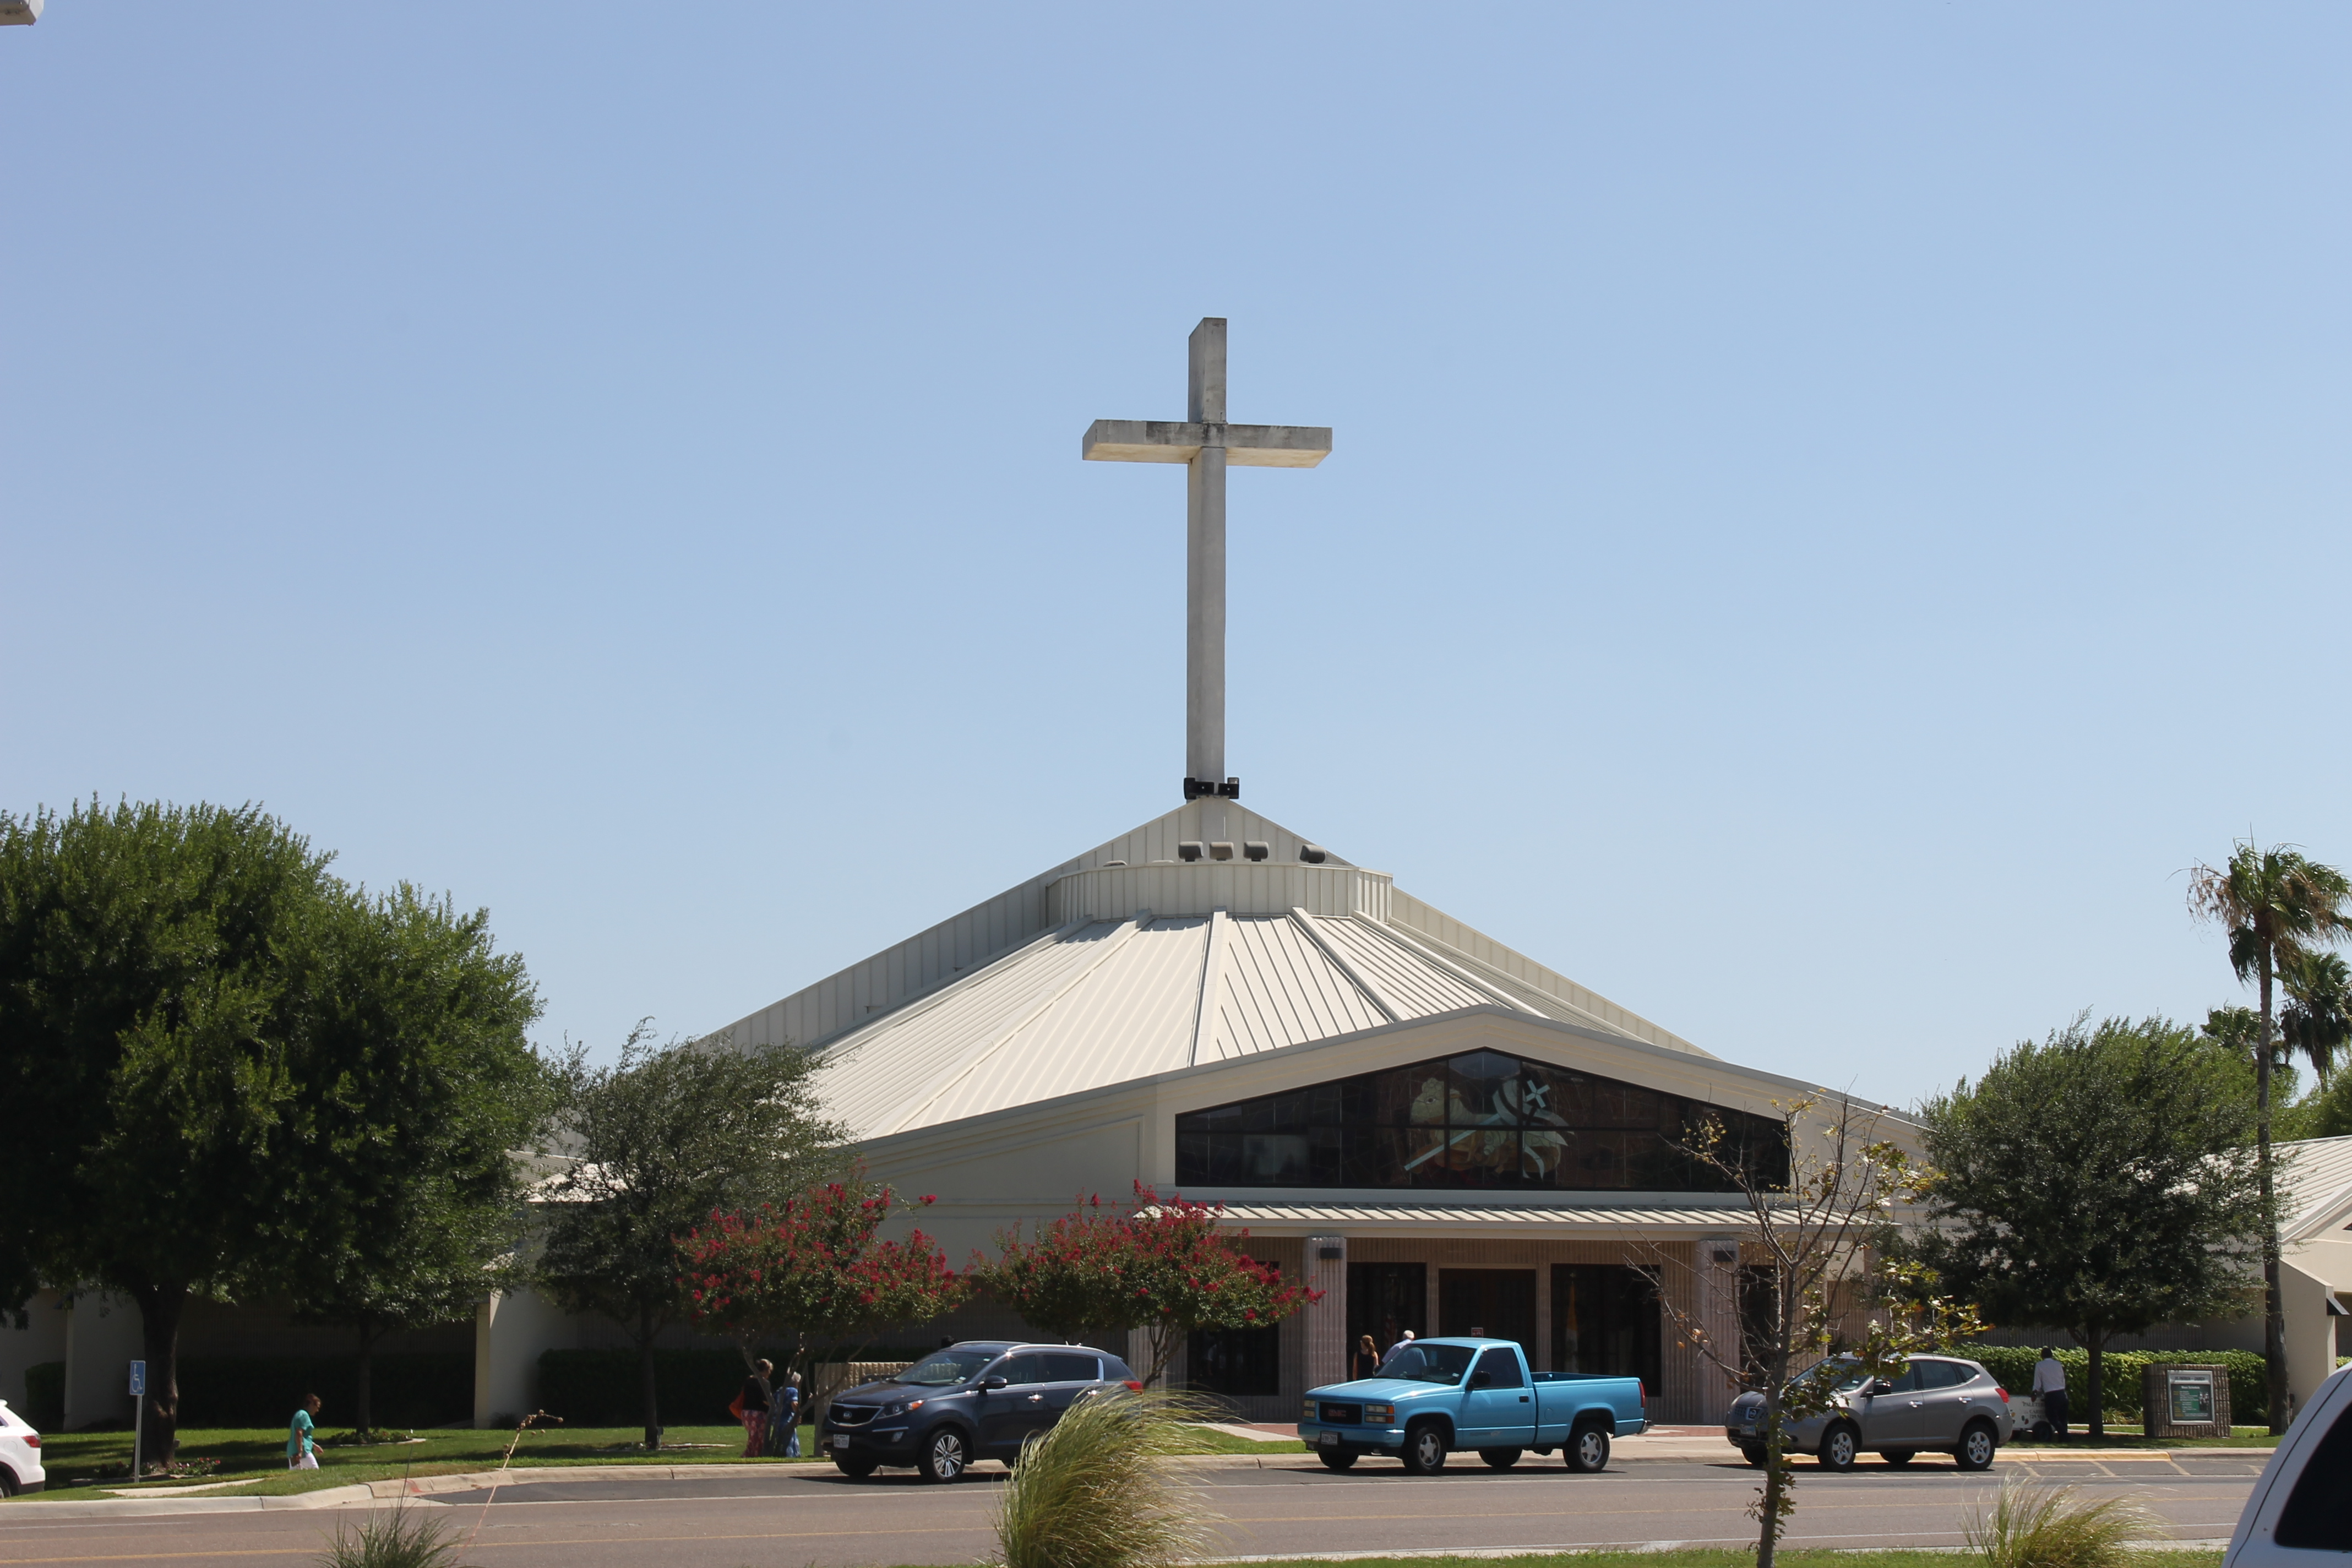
(659, 1142)
(2097, 1182)
(1812, 1236)
(185, 1056)
(1165, 1265)
(426, 1174)
(2276, 906)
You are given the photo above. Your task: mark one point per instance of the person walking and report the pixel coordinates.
(784, 1418)
(1367, 1358)
(753, 1404)
(300, 1453)
(1399, 1344)
(2050, 1387)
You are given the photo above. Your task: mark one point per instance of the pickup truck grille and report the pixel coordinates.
(1344, 1414)
(852, 1414)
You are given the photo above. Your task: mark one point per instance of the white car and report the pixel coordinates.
(2300, 1514)
(20, 1454)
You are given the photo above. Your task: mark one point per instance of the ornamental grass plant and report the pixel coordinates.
(396, 1538)
(2033, 1526)
(1092, 1492)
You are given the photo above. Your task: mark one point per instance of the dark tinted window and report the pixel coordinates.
(1907, 1381)
(946, 1367)
(1071, 1368)
(1480, 1119)
(1502, 1369)
(2318, 1512)
(1023, 1369)
(1942, 1374)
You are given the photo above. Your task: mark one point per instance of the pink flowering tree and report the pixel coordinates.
(1165, 1265)
(815, 1269)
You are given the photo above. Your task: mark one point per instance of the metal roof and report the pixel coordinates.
(1128, 962)
(2314, 1185)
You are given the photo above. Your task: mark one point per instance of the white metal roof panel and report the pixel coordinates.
(1129, 1019)
(2317, 1181)
(1418, 986)
(1454, 1217)
(1280, 990)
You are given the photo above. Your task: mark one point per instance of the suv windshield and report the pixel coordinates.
(1842, 1373)
(947, 1366)
(1429, 1363)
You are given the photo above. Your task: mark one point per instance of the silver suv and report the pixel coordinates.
(1939, 1402)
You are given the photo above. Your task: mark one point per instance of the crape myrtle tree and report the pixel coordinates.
(658, 1141)
(206, 1044)
(2099, 1182)
(1164, 1266)
(2277, 907)
(814, 1267)
(1812, 1235)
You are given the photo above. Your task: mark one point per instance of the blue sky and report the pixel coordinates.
(1833, 507)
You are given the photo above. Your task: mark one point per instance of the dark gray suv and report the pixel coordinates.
(978, 1400)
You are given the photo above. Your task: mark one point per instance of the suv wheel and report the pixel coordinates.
(1424, 1448)
(1977, 1446)
(1840, 1444)
(1897, 1456)
(1587, 1450)
(945, 1455)
(856, 1470)
(1755, 1453)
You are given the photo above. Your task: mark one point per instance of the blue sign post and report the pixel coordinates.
(139, 1416)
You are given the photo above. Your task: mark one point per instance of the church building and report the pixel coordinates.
(1436, 1133)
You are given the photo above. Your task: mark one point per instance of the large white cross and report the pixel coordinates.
(1205, 444)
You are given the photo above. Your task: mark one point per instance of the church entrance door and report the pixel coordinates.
(1604, 1319)
(1499, 1303)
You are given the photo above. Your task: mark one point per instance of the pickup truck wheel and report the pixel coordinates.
(945, 1455)
(1587, 1450)
(1898, 1455)
(1840, 1444)
(1337, 1458)
(1499, 1458)
(856, 1470)
(1424, 1448)
(1977, 1444)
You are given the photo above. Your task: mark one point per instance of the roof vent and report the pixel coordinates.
(1256, 849)
(1313, 854)
(1188, 850)
(1221, 849)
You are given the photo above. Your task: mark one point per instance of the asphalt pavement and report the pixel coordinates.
(1278, 1505)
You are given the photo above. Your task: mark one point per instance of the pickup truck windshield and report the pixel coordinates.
(947, 1366)
(1429, 1363)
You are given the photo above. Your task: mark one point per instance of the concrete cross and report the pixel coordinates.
(1205, 444)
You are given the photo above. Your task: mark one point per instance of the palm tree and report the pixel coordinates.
(2316, 1021)
(2278, 907)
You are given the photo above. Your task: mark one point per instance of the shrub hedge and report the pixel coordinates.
(45, 1396)
(2013, 1367)
(691, 1387)
(264, 1391)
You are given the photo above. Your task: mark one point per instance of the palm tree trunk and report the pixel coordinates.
(2274, 1300)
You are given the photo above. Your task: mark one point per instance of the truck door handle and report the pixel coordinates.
(1523, 1399)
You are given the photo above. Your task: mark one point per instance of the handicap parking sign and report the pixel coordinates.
(138, 1378)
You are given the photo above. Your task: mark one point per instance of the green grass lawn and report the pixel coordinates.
(79, 1462)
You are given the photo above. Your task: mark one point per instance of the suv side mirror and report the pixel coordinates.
(991, 1385)
(1481, 1380)
(1882, 1385)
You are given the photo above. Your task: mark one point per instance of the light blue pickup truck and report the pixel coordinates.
(1434, 1396)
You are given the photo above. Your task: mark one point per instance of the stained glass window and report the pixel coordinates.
(1483, 1120)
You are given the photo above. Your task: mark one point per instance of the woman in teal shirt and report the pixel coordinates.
(298, 1456)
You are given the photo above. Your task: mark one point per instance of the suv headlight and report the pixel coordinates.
(904, 1407)
(1379, 1414)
